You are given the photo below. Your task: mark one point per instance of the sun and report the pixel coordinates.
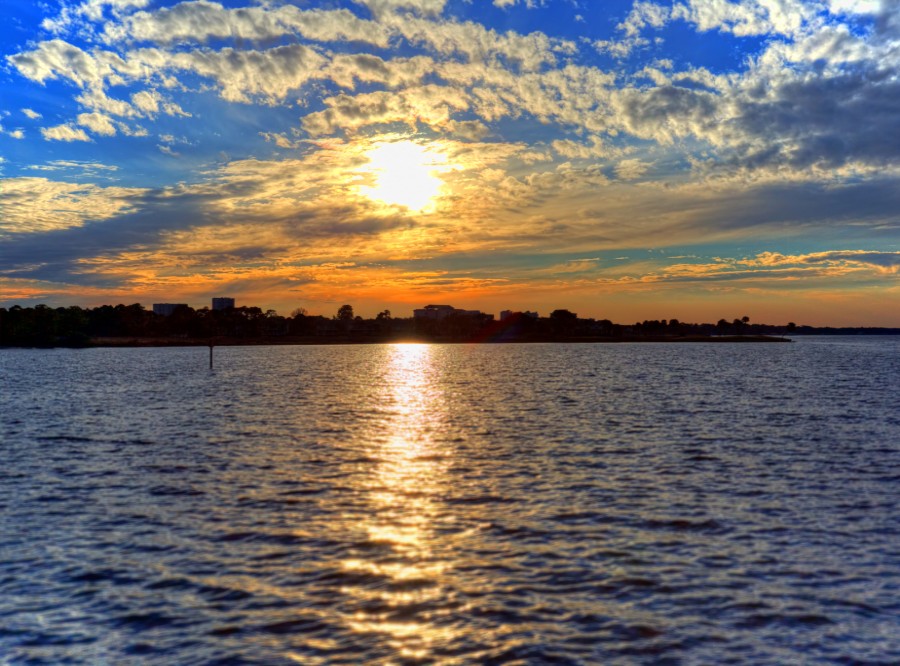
(404, 173)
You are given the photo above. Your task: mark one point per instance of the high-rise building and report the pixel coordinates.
(222, 303)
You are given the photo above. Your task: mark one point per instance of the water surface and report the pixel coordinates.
(452, 504)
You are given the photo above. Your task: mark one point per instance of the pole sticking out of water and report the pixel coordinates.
(210, 355)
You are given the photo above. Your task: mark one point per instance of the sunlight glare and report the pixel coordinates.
(408, 519)
(404, 173)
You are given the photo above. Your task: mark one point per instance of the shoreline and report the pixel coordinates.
(313, 341)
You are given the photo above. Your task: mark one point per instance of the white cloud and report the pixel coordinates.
(147, 101)
(64, 132)
(382, 7)
(243, 75)
(58, 165)
(198, 22)
(38, 204)
(620, 48)
(91, 10)
(431, 105)
(34, 115)
(478, 44)
(98, 100)
(530, 4)
(854, 6)
(97, 123)
(643, 15)
(631, 169)
(59, 59)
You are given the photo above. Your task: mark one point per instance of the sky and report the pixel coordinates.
(625, 160)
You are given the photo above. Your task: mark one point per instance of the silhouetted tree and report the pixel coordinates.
(563, 322)
(345, 313)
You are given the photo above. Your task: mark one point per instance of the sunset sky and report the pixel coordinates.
(625, 160)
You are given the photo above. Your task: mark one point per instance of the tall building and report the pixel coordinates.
(166, 309)
(222, 303)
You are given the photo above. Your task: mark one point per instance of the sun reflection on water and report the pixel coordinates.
(407, 555)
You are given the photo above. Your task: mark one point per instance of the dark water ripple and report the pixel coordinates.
(534, 504)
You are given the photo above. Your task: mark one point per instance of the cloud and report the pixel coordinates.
(631, 169)
(477, 44)
(802, 272)
(64, 133)
(147, 101)
(621, 48)
(666, 113)
(746, 17)
(785, 111)
(201, 21)
(431, 105)
(887, 261)
(97, 123)
(34, 115)
(425, 7)
(242, 75)
(33, 205)
(59, 59)
(854, 6)
(529, 4)
(263, 213)
(742, 18)
(59, 165)
(91, 10)
(644, 15)
(574, 150)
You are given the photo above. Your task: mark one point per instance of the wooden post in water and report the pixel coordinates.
(210, 355)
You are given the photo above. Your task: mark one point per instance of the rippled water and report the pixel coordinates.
(451, 504)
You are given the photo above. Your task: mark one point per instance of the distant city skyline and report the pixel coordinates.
(623, 160)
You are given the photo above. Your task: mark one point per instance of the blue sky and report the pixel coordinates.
(627, 160)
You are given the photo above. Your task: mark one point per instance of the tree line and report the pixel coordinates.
(45, 326)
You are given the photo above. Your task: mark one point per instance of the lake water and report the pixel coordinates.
(452, 504)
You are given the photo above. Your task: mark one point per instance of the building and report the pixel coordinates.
(222, 303)
(434, 312)
(165, 309)
(506, 314)
(439, 312)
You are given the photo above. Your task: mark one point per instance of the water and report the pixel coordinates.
(509, 504)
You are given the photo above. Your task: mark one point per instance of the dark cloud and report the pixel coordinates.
(55, 255)
(854, 211)
(826, 122)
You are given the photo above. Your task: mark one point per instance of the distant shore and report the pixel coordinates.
(314, 340)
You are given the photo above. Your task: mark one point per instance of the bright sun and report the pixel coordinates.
(404, 174)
